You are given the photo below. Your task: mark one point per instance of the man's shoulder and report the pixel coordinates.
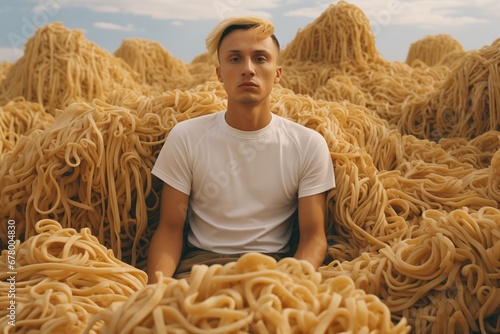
(199, 123)
(200, 120)
(291, 127)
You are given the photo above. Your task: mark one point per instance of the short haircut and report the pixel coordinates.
(263, 29)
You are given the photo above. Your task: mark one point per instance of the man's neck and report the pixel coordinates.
(247, 117)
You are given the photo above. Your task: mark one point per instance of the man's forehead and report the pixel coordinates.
(235, 38)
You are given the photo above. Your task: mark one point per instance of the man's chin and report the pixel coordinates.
(249, 101)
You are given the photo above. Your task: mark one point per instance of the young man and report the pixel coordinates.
(239, 176)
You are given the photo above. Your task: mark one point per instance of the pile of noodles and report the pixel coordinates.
(413, 224)
(18, 118)
(62, 279)
(339, 36)
(338, 50)
(4, 69)
(61, 66)
(155, 65)
(202, 68)
(255, 294)
(467, 105)
(433, 49)
(92, 168)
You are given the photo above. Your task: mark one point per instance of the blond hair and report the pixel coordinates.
(263, 28)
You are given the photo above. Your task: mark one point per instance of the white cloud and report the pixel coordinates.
(491, 7)
(182, 9)
(309, 12)
(46, 7)
(106, 9)
(436, 14)
(420, 13)
(10, 54)
(114, 26)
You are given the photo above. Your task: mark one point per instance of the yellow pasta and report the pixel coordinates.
(155, 65)
(433, 49)
(63, 278)
(18, 118)
(340, 44)
(466, 106)
(4, 69)
(443, 275)
(61, 66)
(255, 294)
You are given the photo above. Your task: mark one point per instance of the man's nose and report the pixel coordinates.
(248, 67)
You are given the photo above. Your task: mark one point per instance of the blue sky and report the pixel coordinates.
(182, 25)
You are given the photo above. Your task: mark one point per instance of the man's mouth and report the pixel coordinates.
(248, 84)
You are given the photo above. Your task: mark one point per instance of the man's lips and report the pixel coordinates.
(248, 84)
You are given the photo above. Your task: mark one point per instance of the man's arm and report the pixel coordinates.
(166, 245)
(312, 243)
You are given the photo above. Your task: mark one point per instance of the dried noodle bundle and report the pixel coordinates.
(433, 49)
(63, 278)
(444, 276)
(4, 69)
(335, 58)
(467, 105)
(340, 35)
(18, 118)
(61, 66)
(155, 65)
(90, 168)
(255, 294)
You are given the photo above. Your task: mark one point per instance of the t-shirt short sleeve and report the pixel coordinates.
(173, 163)
(318, 174)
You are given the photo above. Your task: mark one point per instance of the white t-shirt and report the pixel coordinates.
(243, 185)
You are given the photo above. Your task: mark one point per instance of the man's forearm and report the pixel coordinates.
(163, 263)
(313, 251)
(312, 243)
(166, 245)
(164, 256)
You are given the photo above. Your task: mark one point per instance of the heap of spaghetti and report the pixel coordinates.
(255, 294)
(433, 50)
(63, 278)
(18, 118)
(338, 50)
(155, 65)
(61, 66)
(467, 105)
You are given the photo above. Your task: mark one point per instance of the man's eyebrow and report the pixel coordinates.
(262, 51)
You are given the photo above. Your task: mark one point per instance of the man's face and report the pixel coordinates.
(248, 67)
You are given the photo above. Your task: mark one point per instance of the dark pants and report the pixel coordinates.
(194, 256)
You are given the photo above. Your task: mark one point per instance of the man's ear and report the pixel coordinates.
(219, 74)
(279, 70)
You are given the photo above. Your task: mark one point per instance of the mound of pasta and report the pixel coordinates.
(63, 278)
(255, 294)
(413, 223)
(18, 118)
(155, 65)
(61, 66)
(433, 50)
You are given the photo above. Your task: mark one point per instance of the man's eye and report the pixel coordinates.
(261, 58)
(234, 59)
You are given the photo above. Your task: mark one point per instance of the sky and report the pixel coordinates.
(181, 26)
